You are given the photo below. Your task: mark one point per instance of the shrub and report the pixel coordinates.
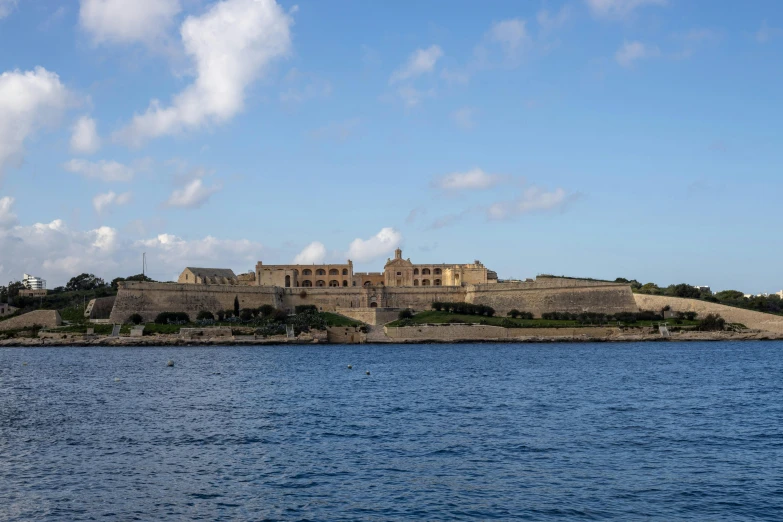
(525, 315)
(514, 313)
(690, 316)
(280, 316)
(267, 310)
(305, 309)
(246, 314)
(172, 318)
(508, 323)
(135, 319)
(437, 306)
(712, 323)
(405, 314)
(221, 315)
(205, 315)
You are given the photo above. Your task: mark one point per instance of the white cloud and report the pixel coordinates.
(7, 217)
(412, 96)
(174, 253)
(84, 136)
(231, 45)
(420, 62)
(619, 9)
(549, 22)
(128, 21)
(463, 118)
(28, 101)
(511, 35)
(767, 33)
(192, 195)
(630, 52)
(103, 170)
(379, 245)
(475, 179)
(312, 254)
(6, 6)
(533, 199)
(102, 202)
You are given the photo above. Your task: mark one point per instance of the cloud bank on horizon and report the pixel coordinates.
(222, 132)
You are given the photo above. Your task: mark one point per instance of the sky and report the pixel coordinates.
(589, 138)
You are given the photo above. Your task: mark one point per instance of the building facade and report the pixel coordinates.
(208, 276)
(33, 283)
(397, 272)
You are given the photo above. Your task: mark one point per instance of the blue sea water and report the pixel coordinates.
(656, 431)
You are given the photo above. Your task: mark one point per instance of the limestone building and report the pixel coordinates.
(397, 272)
(208, 276)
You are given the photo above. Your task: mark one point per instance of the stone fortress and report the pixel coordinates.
(337, 288)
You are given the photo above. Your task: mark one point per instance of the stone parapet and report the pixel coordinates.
(43, 318)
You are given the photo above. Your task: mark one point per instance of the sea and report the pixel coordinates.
(604, 431)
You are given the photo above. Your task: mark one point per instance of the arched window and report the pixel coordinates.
(345, 271)
(334, 271)
(367, 283)
(307, 283)
(288, 281)
(307, 271)
(425, 282)
(320, 283)
(345, 283)
(415, 282)
(415, 271)
(320, 271)
(437, 271)
(334, 283)
(437, 282)
(425, 271)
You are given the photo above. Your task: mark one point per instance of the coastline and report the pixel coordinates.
(176, 340)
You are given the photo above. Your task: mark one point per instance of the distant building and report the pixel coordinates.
(208, 276)
(38, 292)
(33, 283)
(6, 309)
(780, 294)
(705, 289)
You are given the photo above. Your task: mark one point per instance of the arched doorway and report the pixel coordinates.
(288, 281)
(373, 305)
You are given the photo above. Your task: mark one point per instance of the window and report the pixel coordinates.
(288, 281)
(320, 283)
(415, 282)
(415, 271)
(345, 271)
(425, 271)
(307, 271)
(437, 282)
(320, 271)
(399, 273)
(333, 283)
(425, 282)
(334, 271)
(187, 276)
(307, 283)
(345, 283)
(437, 271)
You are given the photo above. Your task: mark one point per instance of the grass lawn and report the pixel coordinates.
(339, 320)
(435, 317)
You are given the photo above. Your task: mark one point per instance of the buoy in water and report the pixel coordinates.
(24, 364)
(170, 363)
(367, 372)
(350, 367)
(116, 379)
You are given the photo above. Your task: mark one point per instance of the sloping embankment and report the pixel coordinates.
(751, 319)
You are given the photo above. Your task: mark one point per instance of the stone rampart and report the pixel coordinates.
(44, 318)
(373, 316)
(150, 299)
(554, 295)
(751, 319)
(345, 335)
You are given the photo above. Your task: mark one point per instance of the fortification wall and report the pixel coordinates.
(751, 319)
(543, 295)
(554, 295)
(373, 316)
(45, 318)
(150, 299)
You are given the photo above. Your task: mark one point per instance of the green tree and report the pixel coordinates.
(730, 295)
(85, 282)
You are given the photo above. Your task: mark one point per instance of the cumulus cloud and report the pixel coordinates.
(109, 171)
(619, 9)
(511, 35)
(128, 21)
(192, 195)
(29, 100)
(312, 254)
(630, 52)
(231, 45)
(6, 6)
(421, 61)
(533, 199)
(84, 136)
(379, 245)
(7, 217)
(549, 22)
(463, 118)
(102, 202)
(475, 179)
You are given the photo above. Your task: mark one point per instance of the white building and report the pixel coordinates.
(780, 294)
(33, 283)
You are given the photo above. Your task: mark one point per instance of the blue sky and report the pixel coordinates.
(600, 138)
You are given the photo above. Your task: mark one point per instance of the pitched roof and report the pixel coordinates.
(212, 272)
